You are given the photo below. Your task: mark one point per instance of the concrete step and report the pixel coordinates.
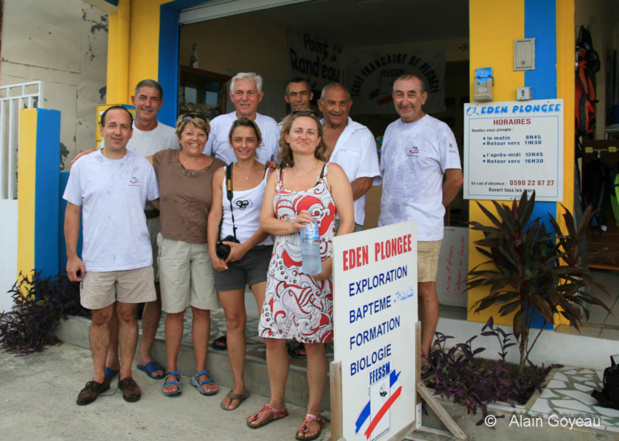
(75, 331)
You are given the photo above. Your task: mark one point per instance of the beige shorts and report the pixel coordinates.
(427, 260)
(185, 276)
(101, 289)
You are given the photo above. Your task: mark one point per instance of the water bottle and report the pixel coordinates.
(310, 248)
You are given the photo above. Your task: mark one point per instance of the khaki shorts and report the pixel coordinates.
(101, 289)
(427, 260)
(185, 276)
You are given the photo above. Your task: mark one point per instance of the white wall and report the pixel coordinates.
(64, 44)
(8, 256)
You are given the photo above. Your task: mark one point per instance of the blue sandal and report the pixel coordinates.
(172, 383)
(198, 384)
(151, 367)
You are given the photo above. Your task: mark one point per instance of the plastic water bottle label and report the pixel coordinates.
(310, 249)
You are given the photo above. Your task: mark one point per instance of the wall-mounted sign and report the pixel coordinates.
(374, 315)
(315, 59)
(370, 73)
(513, 146)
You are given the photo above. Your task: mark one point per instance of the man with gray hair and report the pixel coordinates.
(421, 176)
(245, 93)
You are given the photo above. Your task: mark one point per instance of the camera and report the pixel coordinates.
(221, 249)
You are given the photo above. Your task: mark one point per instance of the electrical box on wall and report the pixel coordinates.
(482, 87)
(524, 54)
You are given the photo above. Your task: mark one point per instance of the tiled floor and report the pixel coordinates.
(569, 394)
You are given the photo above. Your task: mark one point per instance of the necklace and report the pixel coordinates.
(306, 174)
(248, 172)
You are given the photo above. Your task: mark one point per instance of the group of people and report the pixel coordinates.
(224, 211)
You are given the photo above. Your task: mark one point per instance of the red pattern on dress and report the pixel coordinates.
(296, 305)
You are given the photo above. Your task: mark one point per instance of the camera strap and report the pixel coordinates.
(229, 194)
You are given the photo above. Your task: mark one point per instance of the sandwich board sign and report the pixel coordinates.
(375, 317)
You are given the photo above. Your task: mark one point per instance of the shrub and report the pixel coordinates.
(40, 303)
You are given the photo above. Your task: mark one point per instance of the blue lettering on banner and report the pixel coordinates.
(374, 332)
(520, 109)
(370, 360)
(380, 373)
(370, 308)
(369, 284)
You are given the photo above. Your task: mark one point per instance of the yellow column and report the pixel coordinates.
(494, 25)
(118, 55)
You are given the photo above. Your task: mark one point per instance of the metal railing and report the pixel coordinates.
(12, 99)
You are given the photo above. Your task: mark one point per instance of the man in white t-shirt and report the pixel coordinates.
(421, 176)
(109, 190)
(245, 93)
(350, 145)
(149, 137)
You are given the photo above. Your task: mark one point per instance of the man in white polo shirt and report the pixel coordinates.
(109, 190)
(421, 176)
(350, 145)
(245, 93)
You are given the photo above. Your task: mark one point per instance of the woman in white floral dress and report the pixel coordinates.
(297, 305)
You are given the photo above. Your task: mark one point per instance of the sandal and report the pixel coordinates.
(296, 350)
(309, 418)
(220, 343)
(232, 397)
(195, 382)
(176, 383)
(275, 415)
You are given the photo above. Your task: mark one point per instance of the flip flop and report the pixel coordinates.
(111, 373)
(232, 397)
(172, 383)
(309, 418)
(198, 384)
(151, 367)
(220, 343)
(275, 414)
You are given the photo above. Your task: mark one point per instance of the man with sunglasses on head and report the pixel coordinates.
(149, 137)
(246, 94)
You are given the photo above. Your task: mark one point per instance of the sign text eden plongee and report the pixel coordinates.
(375, 312)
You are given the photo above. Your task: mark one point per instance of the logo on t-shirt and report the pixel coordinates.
(134, 181)
(412, 151)
(243, 203)
(262, 144)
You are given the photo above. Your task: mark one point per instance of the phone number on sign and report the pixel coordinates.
(539, 182)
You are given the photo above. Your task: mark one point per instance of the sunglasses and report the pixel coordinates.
(189, 116)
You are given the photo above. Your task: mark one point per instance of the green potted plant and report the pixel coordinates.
(531, 270)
